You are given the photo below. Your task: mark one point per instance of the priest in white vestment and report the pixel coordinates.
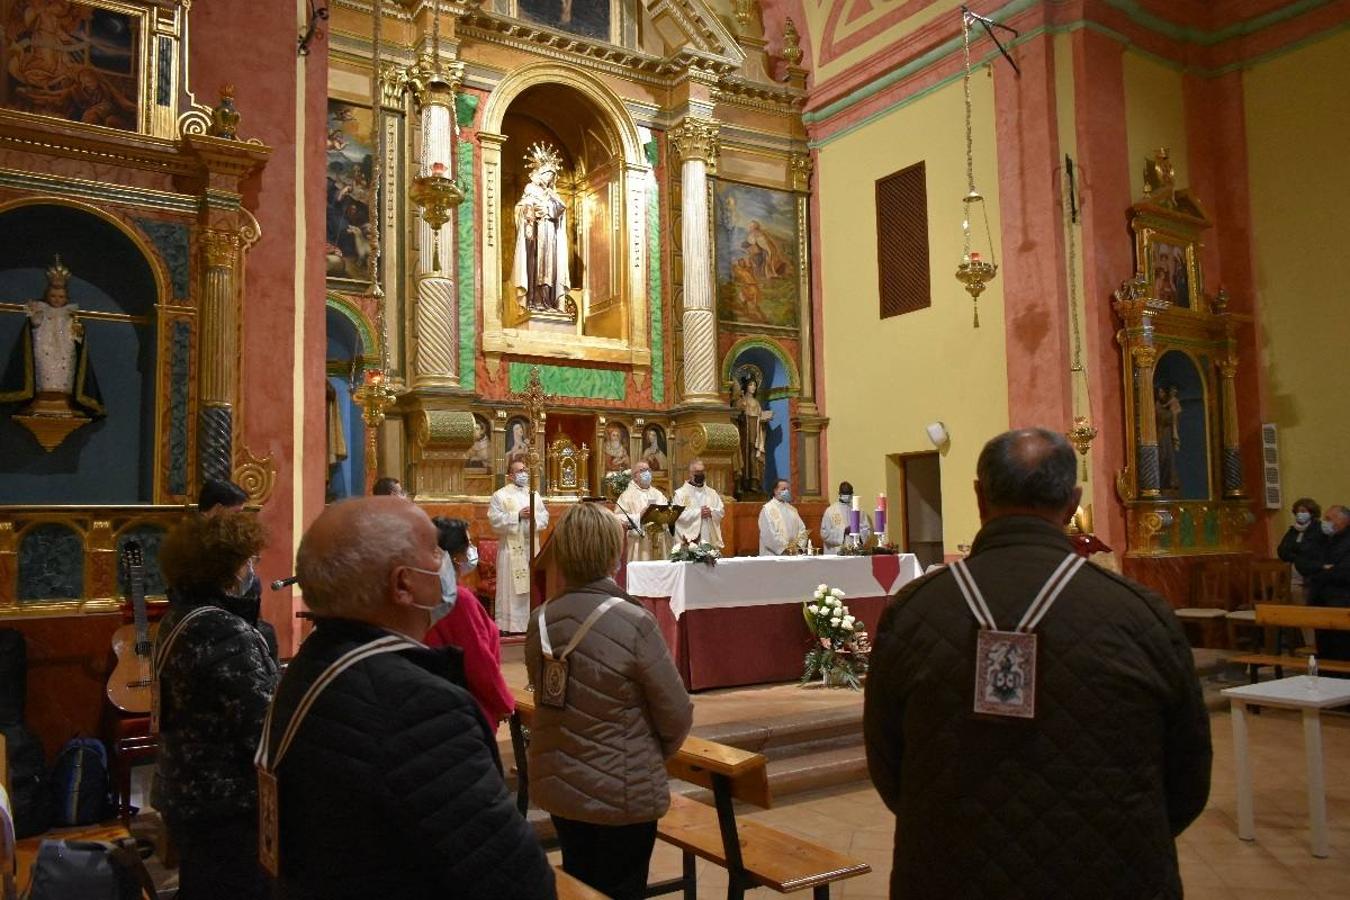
(632, 503)
(701, 521)
(509, 515)
(780, 525)
(834, 524)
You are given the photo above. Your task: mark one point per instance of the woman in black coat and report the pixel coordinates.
(1304, 545)
(216, 677)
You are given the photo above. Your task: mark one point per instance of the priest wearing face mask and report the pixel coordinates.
(466, 625)
(834, 524)
(632, 503)
(509, 514)
(780, 525)
(701, 521)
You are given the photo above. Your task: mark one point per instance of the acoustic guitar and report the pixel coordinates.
(129, 683)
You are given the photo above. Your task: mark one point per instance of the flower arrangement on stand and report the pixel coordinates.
(693, 551)
(615, 483)
(839, 656)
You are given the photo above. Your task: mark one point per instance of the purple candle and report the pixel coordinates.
(881, 524)
(854, 521)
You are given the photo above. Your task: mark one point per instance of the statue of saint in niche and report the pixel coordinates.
(1168, 412)
(753, 422)
(52, 358)
(540, 273)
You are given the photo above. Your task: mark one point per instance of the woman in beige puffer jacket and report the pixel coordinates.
(598, 764)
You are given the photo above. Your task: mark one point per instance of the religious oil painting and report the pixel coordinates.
(588, 18)
(756, 248)
(1171, 272)
(349, 221)
(73, 61)
(517, 440)
(615, 448)
(479, 455)
(654, 448)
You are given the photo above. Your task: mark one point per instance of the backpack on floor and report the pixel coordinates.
(30, 793)
(90, 870)
(80, 783)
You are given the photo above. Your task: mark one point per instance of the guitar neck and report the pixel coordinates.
(136, 577)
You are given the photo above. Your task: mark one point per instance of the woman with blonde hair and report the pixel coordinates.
(610, 709)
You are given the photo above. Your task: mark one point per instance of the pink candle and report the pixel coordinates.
(881, 518)
(974, 256)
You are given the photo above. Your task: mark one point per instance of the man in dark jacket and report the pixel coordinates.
(1330, 584)
(391, 785)
(1075, 782)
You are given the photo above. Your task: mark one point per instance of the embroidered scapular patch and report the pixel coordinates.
(1005, 674)
(553, 683)
(269, 849)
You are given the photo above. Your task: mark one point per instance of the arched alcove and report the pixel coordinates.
(777, 376)
(345, 432)
(603, 182)
(118, 287)
(1181, 407)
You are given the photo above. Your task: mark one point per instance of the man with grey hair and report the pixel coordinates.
(1033, 721)
(378, 775)
(1330, 584)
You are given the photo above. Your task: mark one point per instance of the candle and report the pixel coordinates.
(881, 518)
(438, 168)
(974, 256)
(856, 507)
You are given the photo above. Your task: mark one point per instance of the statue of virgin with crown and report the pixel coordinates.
(540, 271)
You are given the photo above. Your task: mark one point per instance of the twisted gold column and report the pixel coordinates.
(695, 142)
(219, 344)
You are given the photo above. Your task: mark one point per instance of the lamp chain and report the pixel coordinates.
(970, 141)
(1071, 247)
(436, 36)
(377, 177)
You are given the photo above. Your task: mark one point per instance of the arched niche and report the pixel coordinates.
(607, 179)
(348, 337)
(777, 376)
(119, 286)
(1181, 408)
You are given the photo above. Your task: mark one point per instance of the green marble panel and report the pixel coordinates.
(571, 381)
(464, 233)
(654, 295)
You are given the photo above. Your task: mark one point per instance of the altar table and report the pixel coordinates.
(740, 621)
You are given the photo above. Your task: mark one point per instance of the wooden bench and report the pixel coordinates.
(1280, 616)
(754, 854)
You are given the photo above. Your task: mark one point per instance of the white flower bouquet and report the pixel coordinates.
(838, 655)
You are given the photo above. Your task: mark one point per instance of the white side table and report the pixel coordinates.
(1311, 695)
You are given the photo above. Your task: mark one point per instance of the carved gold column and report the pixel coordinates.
(219, 355)
(695, 142)
(1145, 358)
(1232, 453)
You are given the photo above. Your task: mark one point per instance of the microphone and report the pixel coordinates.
(282, 583)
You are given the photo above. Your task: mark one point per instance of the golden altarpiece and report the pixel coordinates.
(125, 238)
(1183, 485)
(613, 195)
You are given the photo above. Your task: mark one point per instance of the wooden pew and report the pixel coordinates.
(1280, 616)
(754, 855)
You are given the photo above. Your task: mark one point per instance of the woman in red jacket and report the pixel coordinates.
(469, 627)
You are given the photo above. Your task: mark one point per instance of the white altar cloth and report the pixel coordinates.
(762, 580)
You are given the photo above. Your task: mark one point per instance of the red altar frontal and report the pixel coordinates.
(740, 621)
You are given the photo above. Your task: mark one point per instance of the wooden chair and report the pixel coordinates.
(754, 855)
(1280, 617)
(1268, 581)
(1213, 585)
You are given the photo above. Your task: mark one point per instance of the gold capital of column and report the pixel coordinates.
(221, 247)
(696, 139)
(1145, 358)
(799, 171)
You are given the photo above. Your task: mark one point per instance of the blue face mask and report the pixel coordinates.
(448, 589)
(1328, 527)
(1303, 517)
(470, 560)
(644, 479)
(522, 479)
(784, 496)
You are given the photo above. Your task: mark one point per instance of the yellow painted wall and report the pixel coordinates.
(1155, 116)
(885, 379)
(1298, 142)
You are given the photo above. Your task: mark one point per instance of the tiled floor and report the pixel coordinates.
(1214, 863)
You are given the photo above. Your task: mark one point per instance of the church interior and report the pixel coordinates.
(304, 247)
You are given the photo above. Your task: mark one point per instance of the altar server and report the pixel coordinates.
(509, 514)
(834, 524)
(632, 503)
(701, 520)
(780, 525)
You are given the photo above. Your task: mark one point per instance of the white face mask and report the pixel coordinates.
(1303, 517)
(522, 479)
(846, 499)
(1328, 527)
(644, 479)
(470, 560)
(448, 589)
